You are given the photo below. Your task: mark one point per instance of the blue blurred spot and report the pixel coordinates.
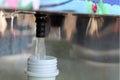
(96, 1)
(112, 2)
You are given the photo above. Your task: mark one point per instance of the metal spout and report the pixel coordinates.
(41, 20)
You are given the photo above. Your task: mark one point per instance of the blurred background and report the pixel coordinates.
(82, 55)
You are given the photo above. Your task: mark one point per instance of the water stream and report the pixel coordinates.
(40, 49)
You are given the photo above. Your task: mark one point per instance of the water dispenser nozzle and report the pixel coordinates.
(41, 20)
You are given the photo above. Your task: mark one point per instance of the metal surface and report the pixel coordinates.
(80, 57)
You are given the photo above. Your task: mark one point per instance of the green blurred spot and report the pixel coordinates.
(27, 6)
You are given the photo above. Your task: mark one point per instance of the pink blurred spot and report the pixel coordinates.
(12, 3)
(94, 7)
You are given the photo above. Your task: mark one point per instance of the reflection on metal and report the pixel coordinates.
(73, 30)
(55, 24)
(94, 25)
(105, 56)
(103, 47)
(70, 25)
(3, 23)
